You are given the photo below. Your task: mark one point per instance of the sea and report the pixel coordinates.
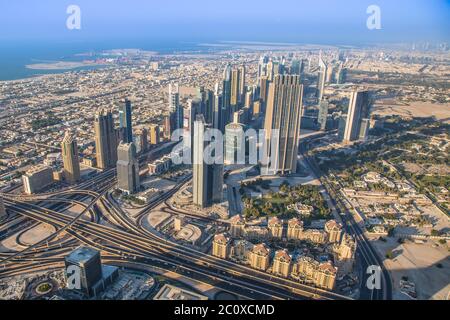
(14, 57)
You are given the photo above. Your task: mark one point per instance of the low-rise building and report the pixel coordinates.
(295, 229)
(275, 226)
(221, 246)
(256, 233)
(170, 292)
(322, 275)
(37, 178)
(282, 263)
(259, 257)
(237, 226)
(240, 250)
(333, 230)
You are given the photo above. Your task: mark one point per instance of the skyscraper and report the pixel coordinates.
(234, 144)
(356, 126)
(323, 114)
(226, 96)
(125, 121)
(218, 114)
(262, 67)
(154, 134)
(269, 70)
(69, 150)
(141, 140)
(207, 179)
(264, 89)
(340, 74)
(127, 168)
(193, 109)
(242, 84)
(321, 79)
(282, 124)
(175, 109)
(167, 127)
(235, 89)
(105, 139)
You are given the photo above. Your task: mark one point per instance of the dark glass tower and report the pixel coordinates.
(125, 121)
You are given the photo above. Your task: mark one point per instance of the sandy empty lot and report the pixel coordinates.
(415, 109)
(419, 263)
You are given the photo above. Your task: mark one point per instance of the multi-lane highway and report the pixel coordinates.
(118, 236)
(366, 252)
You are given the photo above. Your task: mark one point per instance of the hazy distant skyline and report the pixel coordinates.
(301, 21)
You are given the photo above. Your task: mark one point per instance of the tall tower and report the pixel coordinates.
(234, 144)
(154, 134)
(235, 89)
(105, 139)
(125, 121)
(321, 79)
(323, 114)
(264, 88)
(217, 116)
(356, 126)
(70, 158)
(282, 124)
(127, 168)
(207, 179)
(262, 67)
(241, 84)
(226, 96)
(176, 110)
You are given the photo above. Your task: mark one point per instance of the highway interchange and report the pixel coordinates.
(104, 225)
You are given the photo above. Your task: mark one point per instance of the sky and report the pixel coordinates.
(296, 21)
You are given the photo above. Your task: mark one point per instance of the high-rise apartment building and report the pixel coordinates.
(69, 150)
(105, 139)
(141, 140)
(234, 144)
(235, 89)
(321, 80)
(242, 86)
(154, 134)
(125, 121)
(357, 123)
(323, 114)
(226, 96)
(282, 125)
(127, 168)
(207, 177)
(175, 109)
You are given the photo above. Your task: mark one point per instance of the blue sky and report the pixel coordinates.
(304, 21)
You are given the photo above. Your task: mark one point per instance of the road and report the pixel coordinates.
(365, 250)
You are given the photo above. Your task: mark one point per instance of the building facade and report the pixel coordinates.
(71, 162)
(105, 139)
(127, 168)
(282, 125)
